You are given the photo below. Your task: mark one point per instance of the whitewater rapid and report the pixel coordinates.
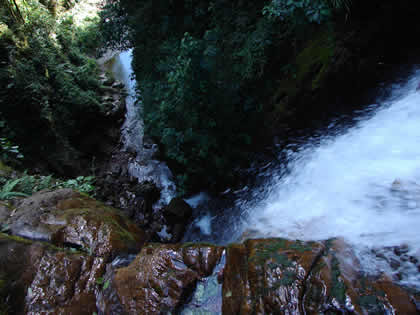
(362, 185)
(142, 166)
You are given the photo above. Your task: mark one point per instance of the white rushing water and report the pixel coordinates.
(142, 166)
(362, 185)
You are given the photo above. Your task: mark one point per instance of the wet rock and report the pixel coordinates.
(401, 250)
(48, 280)
(162, 276)
(395, 264)
(119, 190)
(207, 296)
(399, 299)
(267, 276)
(5, 211)
(276, 276)
(177, 215)
(67, 218)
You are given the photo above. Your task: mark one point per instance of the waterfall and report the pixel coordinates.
(359, 182)
(142, 166)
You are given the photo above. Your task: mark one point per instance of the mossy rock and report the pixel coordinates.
(48, 279)
(5, 170)
(67, 218)
(307, 73)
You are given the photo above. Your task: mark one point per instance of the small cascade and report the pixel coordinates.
(358, 181)
(142, 164)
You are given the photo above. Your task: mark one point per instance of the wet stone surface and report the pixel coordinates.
(277, 276)
(69, 219)
(162, 277)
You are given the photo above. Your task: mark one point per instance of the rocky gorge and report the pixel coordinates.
(323, 221)
(66, 253)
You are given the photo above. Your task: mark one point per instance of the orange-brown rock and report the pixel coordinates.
(277, 276)
(65, 217)
(162, 276)
(267, 276)
(37, 278)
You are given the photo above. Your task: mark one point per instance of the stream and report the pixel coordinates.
(142, 165)
(358, 180)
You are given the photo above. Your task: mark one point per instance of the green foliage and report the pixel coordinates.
(84, 184)
(202, 68)
(298, 11)
(50, 85)
(9, 151)
(7, 190)
(304, 11)
(26, 185)
(114, 26)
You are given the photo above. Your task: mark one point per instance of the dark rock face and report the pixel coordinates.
(276, 276)
(67, 218)
(118, 189)
(87, 265)
(267, 276)
(163, 276)
(177, 216)
(40, 279)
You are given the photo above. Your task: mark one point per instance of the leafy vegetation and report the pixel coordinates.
(204, 69)
(8, 151)
(24, 185)
(50, 86)
(7, 190)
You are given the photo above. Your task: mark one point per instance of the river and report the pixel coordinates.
(359, 181)
(142, 165)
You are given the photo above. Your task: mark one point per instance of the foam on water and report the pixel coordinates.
(363, 185)
(204, 223)
(196, 200)
(132, 129)
(142, 166)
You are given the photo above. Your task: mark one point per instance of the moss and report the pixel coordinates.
(46, 244)
(306, 72)
(203, 244)
(123, 233)
(314, 61)
(338, 288)
(15, 238)
(372, 304)
(301, 247)
(4, 169)
(269, 251)
(318, 267)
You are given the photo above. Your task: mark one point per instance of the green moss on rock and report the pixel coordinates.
(304, 74)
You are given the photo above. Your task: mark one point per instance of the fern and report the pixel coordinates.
(7, 190)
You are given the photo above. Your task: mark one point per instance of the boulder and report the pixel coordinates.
(37, 278)
(177, 215)
(162, 277)
(118, 189)
(267, 276)
(67, 218)
(263, 276)
(277, 276)
(5, 211)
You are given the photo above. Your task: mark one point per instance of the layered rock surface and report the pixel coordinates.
(37, 278)
(67, 218)
(81, 260)
(277, 276)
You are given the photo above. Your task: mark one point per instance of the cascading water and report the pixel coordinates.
(142, 166)
(361, 184)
